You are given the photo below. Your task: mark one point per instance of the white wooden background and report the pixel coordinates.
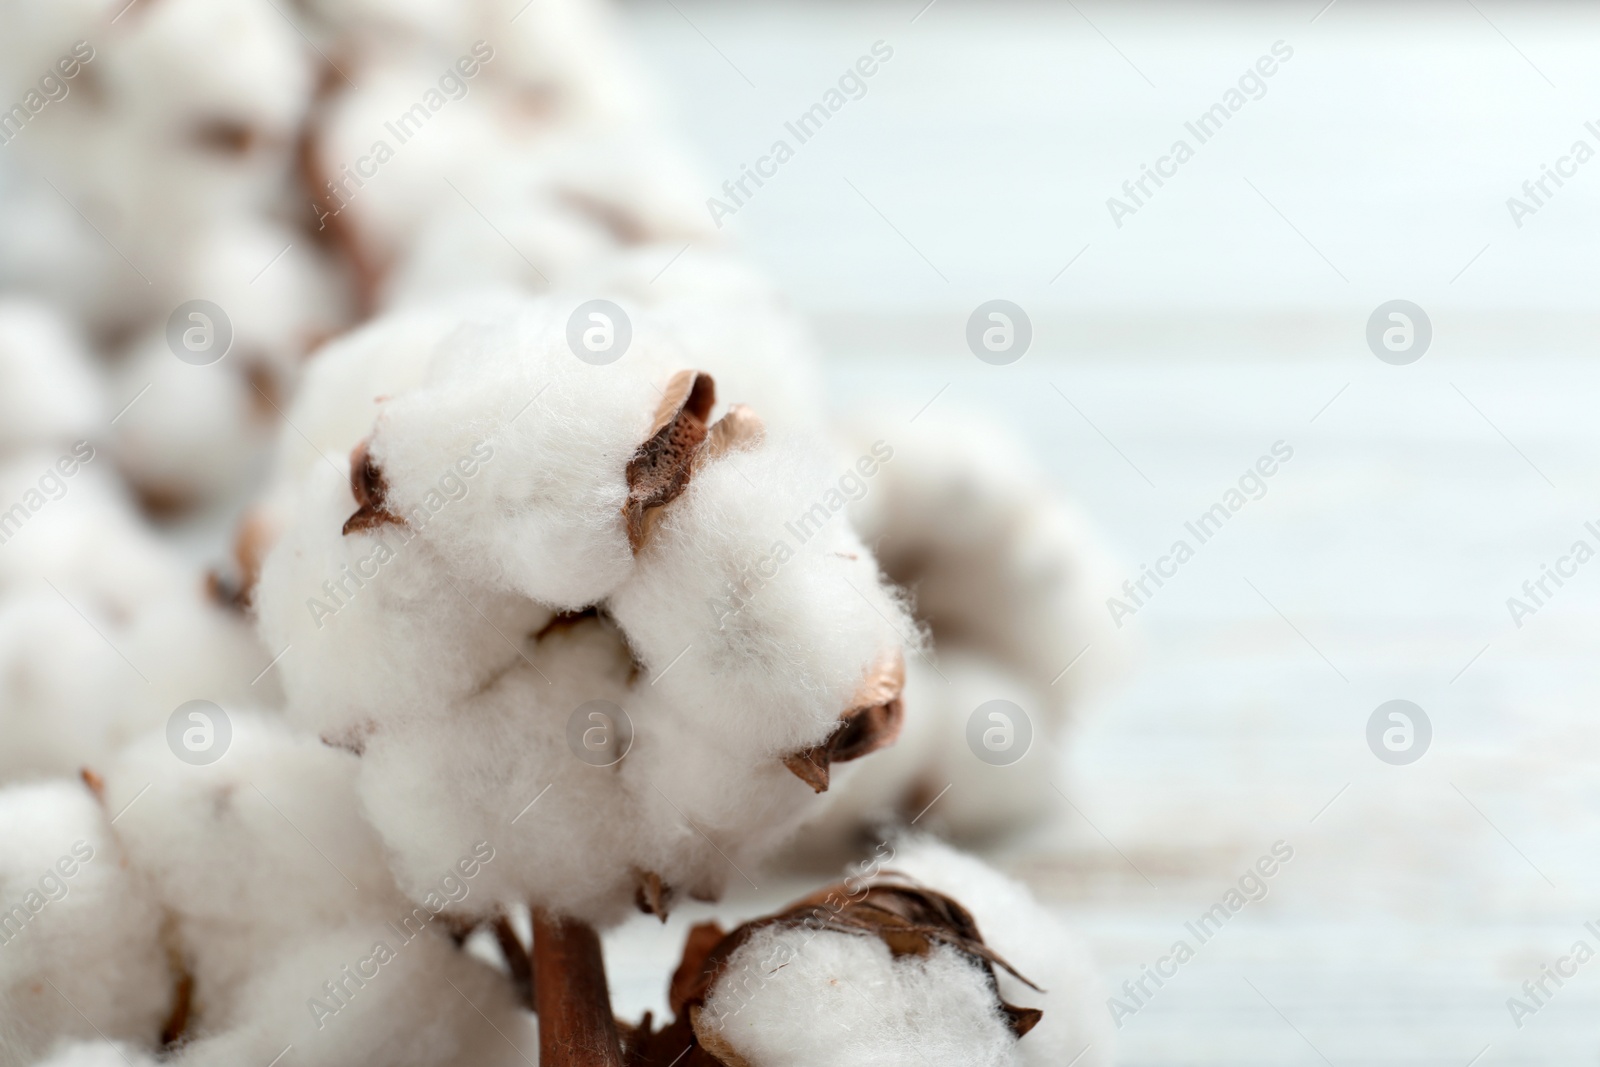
(1222, 318)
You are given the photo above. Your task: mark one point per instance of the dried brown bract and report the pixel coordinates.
(659, 471)
(370, 490)
(872, 722)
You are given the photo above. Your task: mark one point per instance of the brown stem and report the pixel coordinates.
(576, 1027)
(517, 960)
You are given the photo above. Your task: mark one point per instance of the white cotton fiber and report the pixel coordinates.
(264, 846)
(97, 1053)
(80, 937)
(498, 767)
(65, 519)
(756, 624)
(193, 433)
(791, 998)
(373, 623)
(341, 999)
(50, 391)
(184, 66)
(1034, 941)
(60, 687)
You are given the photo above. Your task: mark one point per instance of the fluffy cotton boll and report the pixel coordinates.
(50, 392)
(96, 1053)
(993, 558)
(47, 248)
(64, 518)
(567, 56)
(368, 994)
(229, 72)
(1035, 942)
(194, 434)
(189, 647)
(374, 624)
(755, 578)
(546, 437)
(520, 770)
(80, 938)
(758, 627)
(61, 687)
(261, 847)
(535, 243)
(383, 154)
(632, 178)
(728, 318)
(344, 382)
(842, 1000)
(282, 295)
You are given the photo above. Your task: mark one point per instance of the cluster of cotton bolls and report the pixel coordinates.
(517, 639)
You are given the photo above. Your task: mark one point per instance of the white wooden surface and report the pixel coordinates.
(1416, 503)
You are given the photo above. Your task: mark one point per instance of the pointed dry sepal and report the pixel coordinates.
(872, 722)
(367, 485)
(659, 471)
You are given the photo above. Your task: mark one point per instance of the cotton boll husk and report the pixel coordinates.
(50, 391)
(90, 959)
(61, 687)
(96, 1053)
(995, 560)
(261, 847)
(84, 538)
(842, 1000)
(428, 1005)
(1034, 941)
(193, 436)
(375, 624)
(437, 785)
(933, 759)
